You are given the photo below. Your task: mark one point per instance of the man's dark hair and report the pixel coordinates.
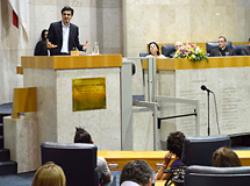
(67, 8)
(137, 171)
(225, 39)
(175, 143)
(82, 136)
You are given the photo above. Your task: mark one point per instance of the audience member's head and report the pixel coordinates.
(49, 174)
(178, 45)
(137, 171)
(44, 34)
(225, 157)
(222, 40)
(82, 136)
(175, 143)
(153, 49)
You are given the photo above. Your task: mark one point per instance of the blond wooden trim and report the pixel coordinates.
(185, 64)
(72, 62)
(19, 70)
(152, 157)
(123, 157)
(24, 100)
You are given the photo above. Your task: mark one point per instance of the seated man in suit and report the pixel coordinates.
(64, 36)
(222, 49)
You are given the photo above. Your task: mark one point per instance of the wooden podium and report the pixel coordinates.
(71, 91)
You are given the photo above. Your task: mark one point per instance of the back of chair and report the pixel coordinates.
(199, 150)
(213, 45)
(217, 176)
(168, 50)
(77, 160)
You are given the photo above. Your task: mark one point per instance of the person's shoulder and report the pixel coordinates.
(57, 23)
(73, 25)
(101, 160)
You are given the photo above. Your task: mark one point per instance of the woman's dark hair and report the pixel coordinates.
(225, 157)
(82, 136)
(137, 171)
(175, 143)
(67, 8)
(157, 46)
(43, 34)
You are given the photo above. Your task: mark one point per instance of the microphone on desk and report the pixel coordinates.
(204, 88)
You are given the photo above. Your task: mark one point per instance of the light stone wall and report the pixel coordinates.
(189, 20)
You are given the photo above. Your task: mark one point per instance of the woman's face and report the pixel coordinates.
(46, 34)
(153, 49)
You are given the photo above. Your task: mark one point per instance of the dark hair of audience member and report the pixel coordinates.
(67, 8)
(175, 143)
(157, 46)
(49, 174)
(43, 36)
(137, 171)
(225, 157)
(82, 136)
(223, 37)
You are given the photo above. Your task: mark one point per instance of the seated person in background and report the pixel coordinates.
(178, 45)
(222, 49)
(41, 46)
(136, 173)
(225, 157)
(102, 169)
(154, 50)
(49, 174)
(172, 159)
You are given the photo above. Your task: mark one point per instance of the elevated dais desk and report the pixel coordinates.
(227, 77)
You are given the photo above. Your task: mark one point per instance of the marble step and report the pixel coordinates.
(8, 167)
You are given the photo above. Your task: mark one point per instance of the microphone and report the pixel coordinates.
(204, 88)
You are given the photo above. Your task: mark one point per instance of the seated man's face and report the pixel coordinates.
(222, 42)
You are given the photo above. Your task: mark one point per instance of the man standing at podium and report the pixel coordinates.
(63, 35)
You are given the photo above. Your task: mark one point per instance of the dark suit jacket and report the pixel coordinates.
(218, 52)
(56, 37)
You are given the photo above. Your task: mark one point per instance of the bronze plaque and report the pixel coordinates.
(89, 94)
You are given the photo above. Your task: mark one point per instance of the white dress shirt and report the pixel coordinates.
(65, 44)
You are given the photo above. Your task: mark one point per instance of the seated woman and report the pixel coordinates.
(225, 157)
(172, 159)
(49, 174)
(41, 46)
(102, 169)
(154, 50)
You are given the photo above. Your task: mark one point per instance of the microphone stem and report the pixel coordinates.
(208, 114)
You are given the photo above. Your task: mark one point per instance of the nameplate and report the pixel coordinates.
(89, 94)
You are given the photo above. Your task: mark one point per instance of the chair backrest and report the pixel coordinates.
(168, 50)
(78, 161)
(199, 150)
(212, 45)
(217, 176)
